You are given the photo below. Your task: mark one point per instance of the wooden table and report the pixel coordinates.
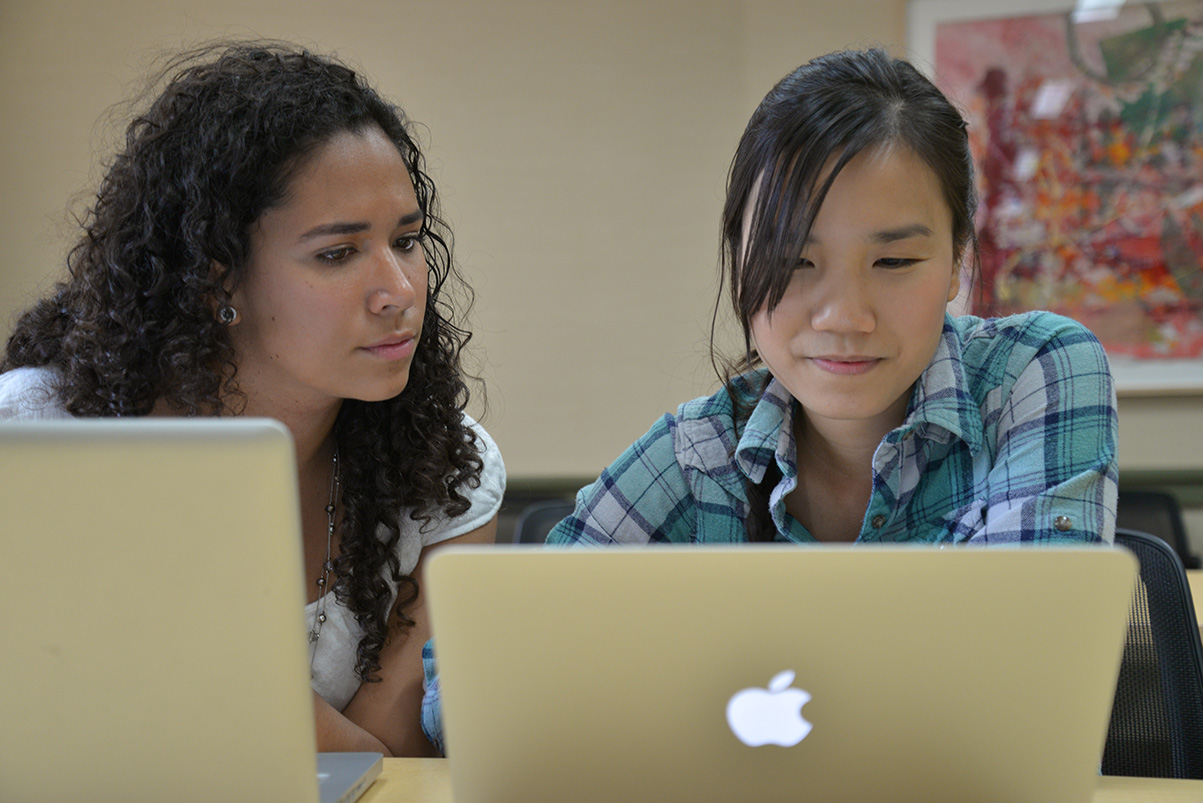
(426, 780)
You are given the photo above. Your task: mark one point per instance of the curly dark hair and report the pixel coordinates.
(133, 323)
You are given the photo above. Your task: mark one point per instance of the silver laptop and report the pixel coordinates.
(154, 639)
(776, 673)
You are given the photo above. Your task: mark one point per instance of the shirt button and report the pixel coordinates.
(1063, 523)
(877, 521)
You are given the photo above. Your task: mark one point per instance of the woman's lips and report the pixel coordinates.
(846, 366)
(395, 348)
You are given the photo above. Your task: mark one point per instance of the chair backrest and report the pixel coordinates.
(536, 520)
(1156, 513)
(1157, 719)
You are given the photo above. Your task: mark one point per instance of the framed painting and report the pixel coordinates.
(1086, 125)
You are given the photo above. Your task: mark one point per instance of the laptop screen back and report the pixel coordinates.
(154, 639)
(679, 673)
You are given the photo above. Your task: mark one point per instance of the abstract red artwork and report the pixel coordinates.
(1088, 140)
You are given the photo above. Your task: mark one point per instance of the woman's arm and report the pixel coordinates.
(642, 497)
(1054, 476)
(336, 733)
(388, 713)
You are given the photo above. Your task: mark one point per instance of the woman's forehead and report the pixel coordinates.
(787, 190)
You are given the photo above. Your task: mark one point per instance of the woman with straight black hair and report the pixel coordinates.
(861, 411)
(268, 243)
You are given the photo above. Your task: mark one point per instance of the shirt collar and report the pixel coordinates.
(941, 408)
(768, 435)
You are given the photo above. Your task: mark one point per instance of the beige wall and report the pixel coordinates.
(580, 148)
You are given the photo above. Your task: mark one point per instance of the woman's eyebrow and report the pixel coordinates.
(901, 233)
(335, 228)
(410, 219)
(887, 236)
(326, 229)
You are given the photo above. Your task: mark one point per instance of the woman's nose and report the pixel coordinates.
(393, 286)
(843, 304)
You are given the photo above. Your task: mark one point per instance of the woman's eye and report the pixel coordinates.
(407, 243)
(336, 254)
(895, 262)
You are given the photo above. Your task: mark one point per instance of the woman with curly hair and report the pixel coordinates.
(268, 243)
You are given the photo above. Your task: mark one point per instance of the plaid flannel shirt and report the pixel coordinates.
(1010, 436)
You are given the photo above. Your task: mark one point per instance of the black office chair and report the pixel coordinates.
(536, 520)
(1157, 719)
(1157, 513)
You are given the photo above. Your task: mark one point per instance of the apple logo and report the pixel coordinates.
(769, 716)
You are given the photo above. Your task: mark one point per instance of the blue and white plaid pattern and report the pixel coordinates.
(432, 701)
(1010, 437)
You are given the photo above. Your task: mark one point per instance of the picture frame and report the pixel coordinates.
(1090, 164)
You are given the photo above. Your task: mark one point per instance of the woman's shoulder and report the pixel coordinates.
(492, 475)
(29, 393)
(742, 391)
(1031, 350)
(1032, 330)
(484, 498)
(706, 431)
(1019, 339)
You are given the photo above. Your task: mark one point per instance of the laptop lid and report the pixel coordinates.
(154, 640)
(344, 777)
(773, 673)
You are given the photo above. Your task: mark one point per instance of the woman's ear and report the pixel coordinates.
(224, 307)
(222, 275)
(954, 285)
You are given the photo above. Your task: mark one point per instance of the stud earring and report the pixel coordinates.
(227, 314)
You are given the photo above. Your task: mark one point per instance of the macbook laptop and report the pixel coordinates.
(153, 638)
(777, 673)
